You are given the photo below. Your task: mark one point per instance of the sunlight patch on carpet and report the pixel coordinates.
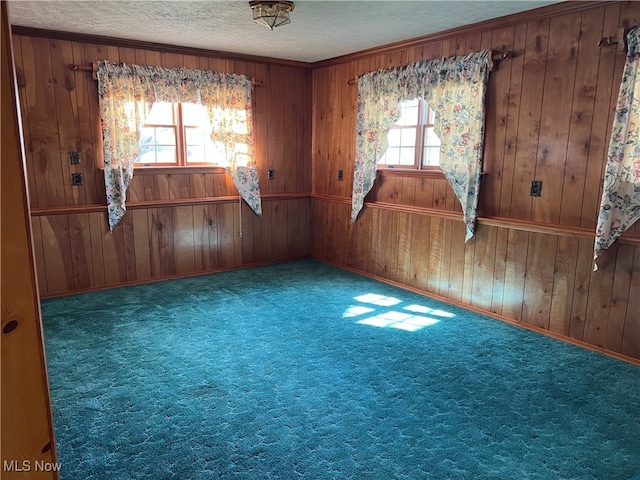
(393, 318)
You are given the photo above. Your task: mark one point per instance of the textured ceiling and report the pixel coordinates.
(319, 29)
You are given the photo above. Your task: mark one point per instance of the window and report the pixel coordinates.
(413, 143)
(178, 134)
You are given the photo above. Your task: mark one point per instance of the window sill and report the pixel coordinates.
(165, 170)
(410, 172)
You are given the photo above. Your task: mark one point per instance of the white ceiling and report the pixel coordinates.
(319, 29)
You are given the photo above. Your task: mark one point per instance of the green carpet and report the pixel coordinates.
(304, 371)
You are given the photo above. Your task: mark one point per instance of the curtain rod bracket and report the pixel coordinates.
(620, 40)
(93, 68)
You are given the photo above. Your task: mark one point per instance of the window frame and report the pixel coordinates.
(180, 129)
(420, 128)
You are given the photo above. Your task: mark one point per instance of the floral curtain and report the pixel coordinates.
(620, 204)
(455, 89)
(127, 93)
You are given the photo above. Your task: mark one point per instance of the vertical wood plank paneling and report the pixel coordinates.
(421, 245)
(111, 255)
(32, 190)
(606, 90)
(214, 232)
(424, 192)
(456, 273)
(291, 163)
(128, 253)
(599, 303)
(582, 110)
(66, 112)
(440, 190)
(514, 277)
(581, 289)
(275, 128)
(57, 253)
(499, 270)
(334, 126)
(348, 130)
(619, 298)
(96, 225)
(80, 245)
(184, 240)
(631, 333)
(261, 128)
(512, 122)
(141, 243)
(563, 285)
(305, 120)
(483, 268)
(559, 81)
(371, 220)
(43, 149)
(529, 119)
(435, 255)
(405, 237)
(539, 279)
(89, 163)
(498, 96)
(280, 235)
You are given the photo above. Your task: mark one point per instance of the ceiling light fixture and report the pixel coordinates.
(271, 14)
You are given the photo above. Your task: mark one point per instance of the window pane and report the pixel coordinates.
(166, 154)
(146, 136)
(409, 111)
(194, 114)
(165, 136)
(394, 137)
(431, 139)
(215, 153)
(431, 156)
(392, 157)
(407, 156)
(195, 136)
(432, 116)
(147, 154)
(195, 154)
(408, 137)
(161, 114)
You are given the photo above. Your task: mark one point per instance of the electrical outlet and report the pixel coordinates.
(340, 175)
(270, 174)
(76, 179)
(74, 158)
(536, 188)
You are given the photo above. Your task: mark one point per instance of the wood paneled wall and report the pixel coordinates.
(179, 222)
(549, 114)
(27, 426)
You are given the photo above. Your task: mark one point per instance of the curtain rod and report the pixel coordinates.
(495, 56)
(93, 67)
(619, 40)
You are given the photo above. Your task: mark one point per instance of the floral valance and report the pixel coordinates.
(455, 89)
(620, 204)
(127, 94)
